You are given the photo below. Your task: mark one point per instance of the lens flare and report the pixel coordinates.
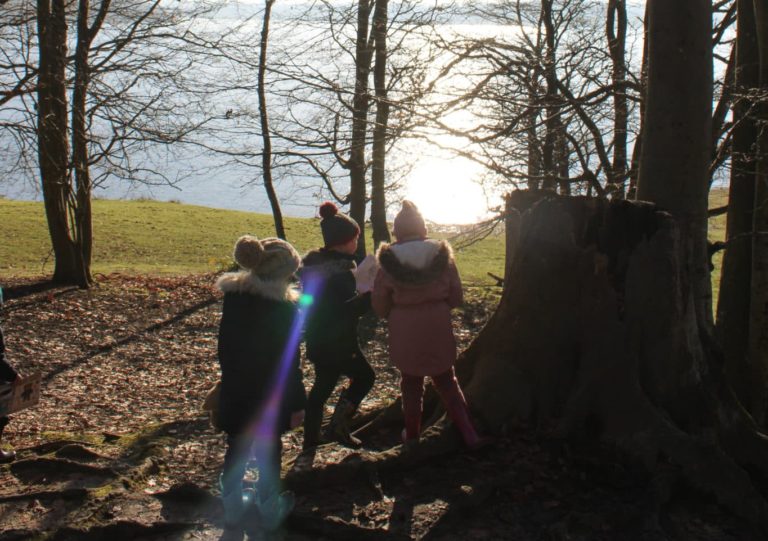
(265, 426)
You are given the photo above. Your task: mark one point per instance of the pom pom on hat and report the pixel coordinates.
(409, 223)
(248, 252)
(328, 209)
(269, 258)
(337, 228)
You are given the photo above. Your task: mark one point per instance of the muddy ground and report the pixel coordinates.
(118, 447)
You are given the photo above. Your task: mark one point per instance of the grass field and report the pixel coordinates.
(170, 238)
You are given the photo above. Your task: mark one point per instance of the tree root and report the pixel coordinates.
(338, 529)
(366, 466)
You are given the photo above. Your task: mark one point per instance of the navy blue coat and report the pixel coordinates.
(331, 330)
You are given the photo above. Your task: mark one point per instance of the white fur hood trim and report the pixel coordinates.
(416, 253)
(247, 282)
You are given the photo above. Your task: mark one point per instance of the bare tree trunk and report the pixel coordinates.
(360, 105)
(733, 307)
(53, 149)
(616, 30)
(378, 174)
(637, 150)
(266, 151)
(552, 110)
(758, 327)
(532, 120)
(676, 152)
(83, 222)
(563, 159)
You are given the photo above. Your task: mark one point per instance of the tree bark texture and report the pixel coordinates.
(534, 164)
(378, 173)
(82, 226)
(677, 126)
(758, 327)
(616, 30)
(360, 106)
(552, 122)
(733, 307)
(52, 129)
(637, 150)
(266, 150)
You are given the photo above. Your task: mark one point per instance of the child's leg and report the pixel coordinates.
(361, 377)
(268, 458)
(456, 405)
(412, 388)
(235, 461)
(325, 382)
(274, 505)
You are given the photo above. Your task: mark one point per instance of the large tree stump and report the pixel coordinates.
(596, 334)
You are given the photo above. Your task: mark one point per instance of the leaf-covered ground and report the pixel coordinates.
(119, 449)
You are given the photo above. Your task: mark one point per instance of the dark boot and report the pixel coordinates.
(236, 501)
(312, 422)
(275, 508)
(5, 456)
(341, 423)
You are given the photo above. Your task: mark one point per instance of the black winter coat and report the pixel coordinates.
(256, 323)
(331, 330)
(7, 373)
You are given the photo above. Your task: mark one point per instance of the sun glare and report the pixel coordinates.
(445, 192)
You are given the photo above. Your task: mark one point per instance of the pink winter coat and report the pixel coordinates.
(415, 289)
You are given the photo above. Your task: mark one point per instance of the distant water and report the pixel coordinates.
(442, 187)
(224, 189)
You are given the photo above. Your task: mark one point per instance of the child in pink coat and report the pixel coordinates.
(415, 289)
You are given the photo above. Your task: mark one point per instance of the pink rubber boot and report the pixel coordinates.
(458, 411)
(412, 388)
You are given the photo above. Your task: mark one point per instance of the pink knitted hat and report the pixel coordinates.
(409, 223)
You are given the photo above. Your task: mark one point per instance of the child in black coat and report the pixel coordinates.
(328, 277)
(7, 376)
(262, 394)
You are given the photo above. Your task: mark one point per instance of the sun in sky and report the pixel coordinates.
(445, 190)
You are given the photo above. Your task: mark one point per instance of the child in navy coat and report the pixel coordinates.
(328, 277)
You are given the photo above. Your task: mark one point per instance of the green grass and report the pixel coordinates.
(150, 237)
(717, 198)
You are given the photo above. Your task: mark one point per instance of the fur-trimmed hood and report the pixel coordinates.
(416, 262)
(248, 282)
